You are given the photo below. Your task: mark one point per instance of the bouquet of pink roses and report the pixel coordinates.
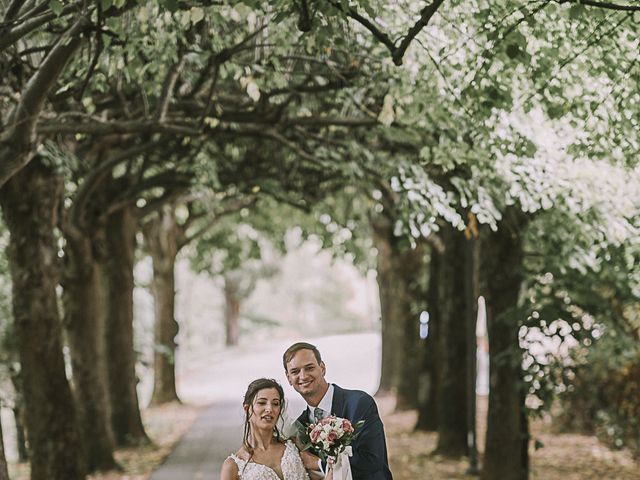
(330, 436)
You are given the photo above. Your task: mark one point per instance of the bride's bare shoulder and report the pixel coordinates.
(243, 454)
(229, 470)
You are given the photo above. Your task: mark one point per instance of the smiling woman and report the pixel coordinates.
(264, 454)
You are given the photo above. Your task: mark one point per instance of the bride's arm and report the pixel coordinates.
(310, 461)
(229, 470)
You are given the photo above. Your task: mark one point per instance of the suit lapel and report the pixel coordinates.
(304, 417)
(337, 403)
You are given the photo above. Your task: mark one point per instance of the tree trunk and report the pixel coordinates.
(119, 263)
(231, 311)
(506, 446)
(400, 269)
(452, 423)
(29, 202)
(409, 263)
(391, 328)
(161, 234)
(85, 324)
(19, 416)
(429, 375)
(4, 471)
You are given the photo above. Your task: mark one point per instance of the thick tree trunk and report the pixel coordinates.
(411, 271)
(85, 323)
(506, 446)
(231, 311)
(4, 471)
(401, 286)
(391, 328)
(452, 423)
(161, 238)
(429, 375)
(119, 263)
(30, 204)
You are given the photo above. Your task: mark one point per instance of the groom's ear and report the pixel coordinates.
(324, 368)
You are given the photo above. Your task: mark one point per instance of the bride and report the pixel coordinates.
(264, 454)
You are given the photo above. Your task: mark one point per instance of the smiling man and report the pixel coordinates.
(306, 374)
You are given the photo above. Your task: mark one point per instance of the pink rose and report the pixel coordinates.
(332, 437)
(346, 426)
(314, 435)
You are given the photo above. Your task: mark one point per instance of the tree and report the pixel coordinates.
(240, 255)
(165, 236)
(52, 424)
(452, 350)
(501, 282)
(162, 235)
(429, 396)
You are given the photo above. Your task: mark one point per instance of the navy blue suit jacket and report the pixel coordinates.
(369, 460)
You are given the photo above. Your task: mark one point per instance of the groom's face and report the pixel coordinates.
(306, 375)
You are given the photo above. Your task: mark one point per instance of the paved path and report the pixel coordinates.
(352, 360)
(202, 450)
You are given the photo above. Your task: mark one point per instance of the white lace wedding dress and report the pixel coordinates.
(291, 465)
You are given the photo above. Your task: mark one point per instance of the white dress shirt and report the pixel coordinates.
(325, 404)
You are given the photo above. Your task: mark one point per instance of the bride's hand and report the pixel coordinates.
(329, 475)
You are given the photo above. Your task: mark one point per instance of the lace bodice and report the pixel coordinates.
(291, 465)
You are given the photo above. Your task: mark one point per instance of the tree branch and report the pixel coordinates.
(98, 174)
(304, 19)
(233, 208)
(13, 10)
(142, 126)
(605, 5)
(9, 38)
(425, 16)
(293, 147)
(368, 24)
(167, 89)
(173, 191)
(16, 143)
(396, 52)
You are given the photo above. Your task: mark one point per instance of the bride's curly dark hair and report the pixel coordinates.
(252, 390)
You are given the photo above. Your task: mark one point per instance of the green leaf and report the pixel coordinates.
(197, 14)
(576, 11)
(56, 7)
(171, 5)
(513, 51)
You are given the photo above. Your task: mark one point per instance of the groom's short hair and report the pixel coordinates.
(295, 348)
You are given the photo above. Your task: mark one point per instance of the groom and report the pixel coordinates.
(305, 372)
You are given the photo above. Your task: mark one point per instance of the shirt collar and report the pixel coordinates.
(325, 403)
